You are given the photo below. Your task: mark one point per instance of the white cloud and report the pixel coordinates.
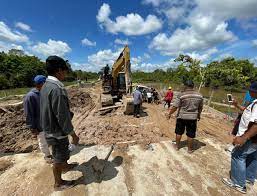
(149, 67)
(103, 57)
(254, 42)
(52, 47)
(6, 34)
(204, 56)
(155, 3)
(204, 32)
(122, 42)
(224, 55)
(5, 46)
(175, 14)
(228, 8)
(254, 61)
(147, 56)
(87, 42)
(23, 26)
(131, 24)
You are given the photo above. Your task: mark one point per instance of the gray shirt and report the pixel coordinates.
(137, 95)
(189, 104)
(55, 116)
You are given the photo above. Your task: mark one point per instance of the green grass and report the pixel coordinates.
(15, 91)
(22, 91)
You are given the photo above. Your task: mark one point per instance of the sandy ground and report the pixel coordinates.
(146, 165)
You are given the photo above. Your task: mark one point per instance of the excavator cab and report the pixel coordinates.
(121, 83)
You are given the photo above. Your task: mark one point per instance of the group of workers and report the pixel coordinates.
(189, 105)
(48, 116)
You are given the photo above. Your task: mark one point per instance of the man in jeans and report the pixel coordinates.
(55, 119)
(32, 113)
(189, 104)
(244, 155)
(137, 95)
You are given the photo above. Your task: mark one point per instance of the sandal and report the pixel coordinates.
(66, 185)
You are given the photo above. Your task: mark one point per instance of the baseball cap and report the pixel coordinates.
(253, 87)
(39, 79)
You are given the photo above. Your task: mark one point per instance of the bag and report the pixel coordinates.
(236, 125)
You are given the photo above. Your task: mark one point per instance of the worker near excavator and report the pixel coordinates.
(168, 97)
(244, 154)
(55, 119)
(138, 99)
(189, 104)
(106, 71)
(32, 113)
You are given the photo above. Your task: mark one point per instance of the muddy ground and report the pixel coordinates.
(15, 137)
(148, 164)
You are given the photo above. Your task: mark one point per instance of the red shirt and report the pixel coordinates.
(169, 95)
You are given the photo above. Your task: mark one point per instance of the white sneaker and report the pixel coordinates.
(232, 185)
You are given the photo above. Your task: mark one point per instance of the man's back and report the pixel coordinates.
(137, 97)
(189, 104)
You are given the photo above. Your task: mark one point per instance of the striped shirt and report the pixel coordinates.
(189, 104)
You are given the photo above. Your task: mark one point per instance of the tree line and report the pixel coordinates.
(17, 70)
(230, 73)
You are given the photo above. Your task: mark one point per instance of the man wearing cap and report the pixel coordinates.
(55, 119)
(189, 104)
(32, 113)
(168, 97)
(244, 155)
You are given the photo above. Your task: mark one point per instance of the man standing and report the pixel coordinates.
(168, 97)
(244, 155)
(137, 95)
(32, 113)
(189, 104)
(55, 119)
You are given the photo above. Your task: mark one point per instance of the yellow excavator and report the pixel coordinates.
(117, 84)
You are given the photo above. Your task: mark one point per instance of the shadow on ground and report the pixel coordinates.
(196, 145)
(91, 176)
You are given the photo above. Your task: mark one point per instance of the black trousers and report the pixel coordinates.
(136, 109)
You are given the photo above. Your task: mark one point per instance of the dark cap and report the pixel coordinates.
(56, 62)
(253, 87)
(189, 83)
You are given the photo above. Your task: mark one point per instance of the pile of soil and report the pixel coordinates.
(16, 138)
(117, 129)
(79, 100)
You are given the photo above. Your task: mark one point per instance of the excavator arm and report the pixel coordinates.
(122, 64)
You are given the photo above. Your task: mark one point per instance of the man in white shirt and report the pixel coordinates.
(244, 155)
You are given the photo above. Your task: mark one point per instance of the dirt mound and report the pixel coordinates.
(15, 137)
(116, 127)
(79, 99)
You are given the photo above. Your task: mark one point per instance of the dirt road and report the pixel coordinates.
(145, 165)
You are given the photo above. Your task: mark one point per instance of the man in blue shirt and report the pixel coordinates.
(32, 113)
(137, 95)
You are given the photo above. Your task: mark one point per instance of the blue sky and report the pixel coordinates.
(91, 33)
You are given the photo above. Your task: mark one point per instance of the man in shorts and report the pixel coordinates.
(55, 119)
(189, 104)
